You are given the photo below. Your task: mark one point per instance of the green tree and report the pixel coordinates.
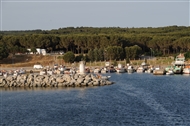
(96, 55)
(132, 52)
(33, 49)
(115, 53)
(91, 55)
(3, 51)
(101, 54)
(69, 57)
(79, 58)
(187, 55)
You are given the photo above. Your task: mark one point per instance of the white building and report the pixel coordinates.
(29, 50)
(41, 51)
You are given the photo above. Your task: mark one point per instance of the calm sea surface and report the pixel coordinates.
(134, 99)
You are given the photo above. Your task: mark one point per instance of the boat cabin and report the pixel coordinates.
(180, 60)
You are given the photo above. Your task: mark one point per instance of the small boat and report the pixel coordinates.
(158, 71)
(140, 69)
(130, 69)
(149, 70)
(111, 69)
(22, 71)
(186, 71)
(105, 77)
(170, 72)
(120, 69)
(43, 72)
(168, 68)
(179, 63)
(104, 70)
(102, 77)
(177, 70)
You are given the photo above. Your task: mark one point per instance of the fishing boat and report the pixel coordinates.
(179, 64)
(149, 70)
(130, 69)
(186, 69)
(120, 69)
(178, 70)
(158, 71)
(104, 70)
(105, 77)
(99, 76)
(168, 68)
(140, 69)
(143, 67)
(170, 72)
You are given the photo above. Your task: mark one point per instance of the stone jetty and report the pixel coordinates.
(64, 80)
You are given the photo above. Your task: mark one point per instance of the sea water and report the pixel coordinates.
(135, 99)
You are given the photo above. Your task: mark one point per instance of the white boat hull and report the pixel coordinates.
(120, 70)
(140, 71)
(130, 70)
(186, 71)
(170, 73)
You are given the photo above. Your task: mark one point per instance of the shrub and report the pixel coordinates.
(69, 57)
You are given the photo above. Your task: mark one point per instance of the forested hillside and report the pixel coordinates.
(161, 41)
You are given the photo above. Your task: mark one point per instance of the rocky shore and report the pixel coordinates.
(61, 80)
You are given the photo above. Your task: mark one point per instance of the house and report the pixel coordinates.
(29, 51)
(39, 51)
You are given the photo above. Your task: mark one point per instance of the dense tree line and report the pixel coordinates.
(101, 43)
(3, 51)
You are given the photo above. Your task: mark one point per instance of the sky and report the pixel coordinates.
(55, 14)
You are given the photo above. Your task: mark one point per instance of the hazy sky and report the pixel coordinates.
(54, 14)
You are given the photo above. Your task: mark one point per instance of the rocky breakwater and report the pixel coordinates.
(64, 80)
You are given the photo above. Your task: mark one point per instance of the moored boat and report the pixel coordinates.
(158, 71)
(130, 69)
(99, 76)
(179, 64)
(120, 68)
(104, 70)
(178, 70)
(186, 71)
(140, 69)
(170, 72)
(168, 68)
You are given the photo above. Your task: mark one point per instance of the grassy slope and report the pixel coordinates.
(26, 60)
